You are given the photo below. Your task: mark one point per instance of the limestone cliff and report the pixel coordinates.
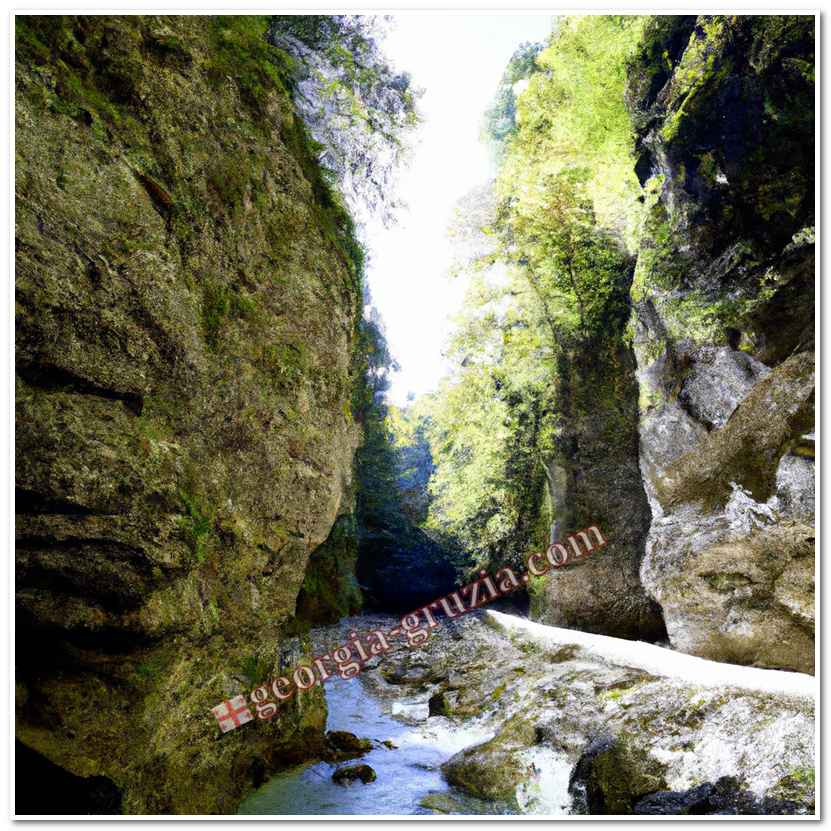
(723, 329)
(188, 294)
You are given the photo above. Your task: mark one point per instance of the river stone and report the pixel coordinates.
(441, 703)
(348, 774)
(724, 796)
(529, 717)
(344, 745)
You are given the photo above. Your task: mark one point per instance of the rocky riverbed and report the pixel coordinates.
(496, 714)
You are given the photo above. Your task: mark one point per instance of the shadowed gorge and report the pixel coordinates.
(221, 490)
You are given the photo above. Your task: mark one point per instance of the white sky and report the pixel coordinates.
(458, 60)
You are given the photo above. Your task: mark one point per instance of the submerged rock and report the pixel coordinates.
(348, 774)
(342, 745)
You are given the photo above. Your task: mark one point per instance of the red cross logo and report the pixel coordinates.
(232, 713)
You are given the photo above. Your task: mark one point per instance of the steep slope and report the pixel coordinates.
(188, 294)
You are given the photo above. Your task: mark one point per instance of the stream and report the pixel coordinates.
(406, 775)
(521, 703)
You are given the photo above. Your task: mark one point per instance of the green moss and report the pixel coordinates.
(286, 363)
(197, 523)
(255, 669)
(621, 774)
(239, 50)
(611, 695)
(330, 589)
(499, 691)
(798, 786)
(658, 264)
(701, 65)
(222, 303)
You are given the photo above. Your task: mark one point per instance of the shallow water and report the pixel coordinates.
(405, 775)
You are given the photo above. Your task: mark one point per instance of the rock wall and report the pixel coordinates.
(187, 302)
(723, 329)
(594, 479)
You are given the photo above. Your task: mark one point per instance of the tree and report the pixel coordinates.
(354, 104)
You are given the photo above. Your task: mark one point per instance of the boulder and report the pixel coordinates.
(717, 381)
(733, 595)
(341, 745)
(611, 774)
(348, 774)
(440, 704)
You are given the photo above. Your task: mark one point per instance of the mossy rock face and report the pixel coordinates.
(724, 106)
(188, 293)
(798, 787)
(597, 397)
(330, 590)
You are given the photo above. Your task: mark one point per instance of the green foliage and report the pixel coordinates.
(409, 428)
(572, 114)
(499, 121)
(376, 464)
(358, 109)
(548, 277)
(573, 266)
(490, 421)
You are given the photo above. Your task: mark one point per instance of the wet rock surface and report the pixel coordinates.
(343, 745)
(351, 773)
(722, 797)
(569, 722)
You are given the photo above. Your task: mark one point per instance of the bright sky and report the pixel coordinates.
(458, 60)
